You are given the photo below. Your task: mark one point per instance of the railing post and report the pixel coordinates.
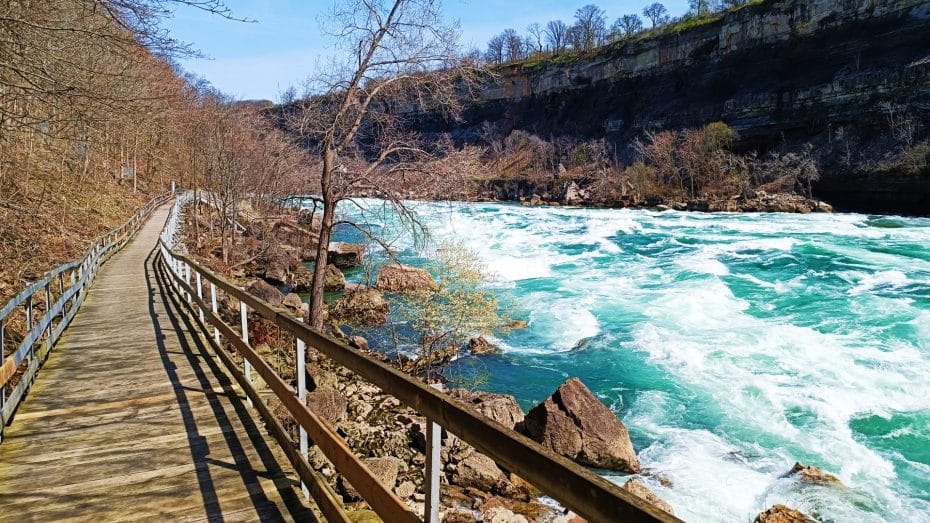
(433, 462)
(187, 280)
(48, 312)
(200, 294)
(2, 358)
(29, 324)
(244, 315)
(302, 396)
(213, 307)
(61, 292)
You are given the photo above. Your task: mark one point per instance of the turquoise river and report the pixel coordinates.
(731, 345)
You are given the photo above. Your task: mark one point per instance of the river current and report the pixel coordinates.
(731, 345)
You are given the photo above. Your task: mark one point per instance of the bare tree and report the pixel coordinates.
(556, 35)
(403, 56)
(700, 7)
(513, 45)
(536, 36)
(495, 52)
(627, 26)
(592, 25)
(656, 13)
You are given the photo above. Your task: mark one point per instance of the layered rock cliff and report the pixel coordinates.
(783, 73)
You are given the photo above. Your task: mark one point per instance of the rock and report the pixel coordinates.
(723, 206)
(333, 279)
(345, 255)
(699, 205)
(502, 515)
(501, 408)
(266, 292)
(517, 324)
(531, 511)
(478, 471)
(571, 517)
(432, 359)
(640, 490)
(403, 278)
(481, 345)
(811, 474)
(406, 490)
(820, 206)
(573, 195)
(364, 516)
(366, 306)
(384, 469)
(358, 342)
(293, 301)
(276, 272)
(574, 423)
(328, 404)
(459, 516)
(782, 514)
(302, 280)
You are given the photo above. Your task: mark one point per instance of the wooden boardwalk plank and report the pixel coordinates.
(132, 418)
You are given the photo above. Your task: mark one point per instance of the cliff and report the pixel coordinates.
(783, 73)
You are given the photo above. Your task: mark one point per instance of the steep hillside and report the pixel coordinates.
(852, 78)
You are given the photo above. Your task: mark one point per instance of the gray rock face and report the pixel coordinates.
(574, 423)
(266, 292)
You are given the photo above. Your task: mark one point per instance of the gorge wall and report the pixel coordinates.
(783, 73)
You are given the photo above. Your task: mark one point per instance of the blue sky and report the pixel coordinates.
(283, 46)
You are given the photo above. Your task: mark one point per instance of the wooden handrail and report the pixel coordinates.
(57, 315)
(577, 488)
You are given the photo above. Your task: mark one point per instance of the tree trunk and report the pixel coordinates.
(326, 231)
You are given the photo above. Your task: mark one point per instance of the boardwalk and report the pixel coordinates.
(131, 418)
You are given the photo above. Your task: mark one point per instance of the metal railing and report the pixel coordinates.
(575, 487)
(21, 365)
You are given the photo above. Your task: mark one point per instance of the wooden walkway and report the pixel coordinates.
(132, 418)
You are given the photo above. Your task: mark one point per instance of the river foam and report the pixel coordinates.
(731, 345)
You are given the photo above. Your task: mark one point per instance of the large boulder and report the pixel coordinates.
(266, 292)
(385, 470)
(501, 408)
(333, 279)
(345, 255)
(302, 280)
(640, 490)
(811, 474)
(478, 471)
(574, 195)
(328, 404)
(366, 306)
(783, 514)
(403, 278)
(296, 305)
(574, 423)
(480, 345)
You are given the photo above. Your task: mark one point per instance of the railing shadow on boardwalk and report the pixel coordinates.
(198, 355)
